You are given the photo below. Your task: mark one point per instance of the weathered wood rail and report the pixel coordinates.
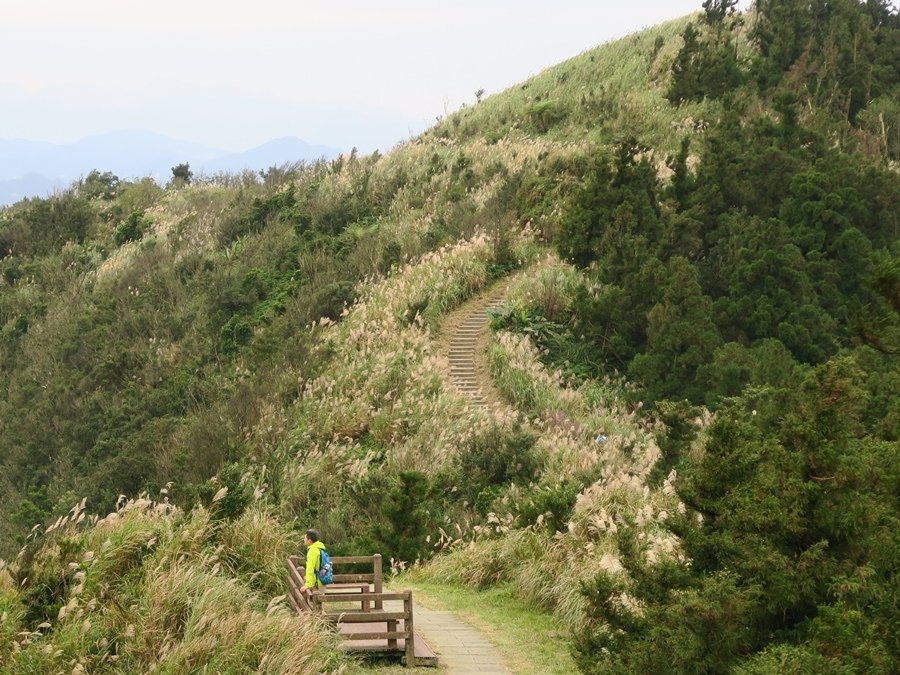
(370, 627)
(369, 581)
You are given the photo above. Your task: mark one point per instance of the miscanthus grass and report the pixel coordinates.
(151, 589)
(547, 567)
(386, 399)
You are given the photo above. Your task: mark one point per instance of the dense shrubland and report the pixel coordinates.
(696, 469)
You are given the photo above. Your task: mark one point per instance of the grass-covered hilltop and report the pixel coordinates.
(699, 228)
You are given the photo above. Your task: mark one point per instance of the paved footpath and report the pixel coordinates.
(461, 649)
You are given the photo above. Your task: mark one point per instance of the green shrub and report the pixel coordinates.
(551, 505)
(331, 300)
(494, 458)
(132, 228)
(544, 115)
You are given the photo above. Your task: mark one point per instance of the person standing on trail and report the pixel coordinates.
(314, 549)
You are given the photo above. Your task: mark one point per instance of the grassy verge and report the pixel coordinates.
(531, 641)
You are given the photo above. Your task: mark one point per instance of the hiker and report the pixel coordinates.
(314, 549)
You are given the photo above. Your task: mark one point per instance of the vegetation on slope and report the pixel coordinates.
(722, 194)
(151, 588)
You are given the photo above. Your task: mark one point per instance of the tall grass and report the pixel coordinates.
(152, 589)
(544, 567)
(387, 383)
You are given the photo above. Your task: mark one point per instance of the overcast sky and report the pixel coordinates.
(235, 73)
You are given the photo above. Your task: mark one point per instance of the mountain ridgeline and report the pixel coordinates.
(696, 465)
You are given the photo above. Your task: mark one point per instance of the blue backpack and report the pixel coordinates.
(326, 569)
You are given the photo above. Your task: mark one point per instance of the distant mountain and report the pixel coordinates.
(273, 153)
(34, 168)
(126, 153)
(29, 185)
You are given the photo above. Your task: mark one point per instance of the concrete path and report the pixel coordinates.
(461, 649)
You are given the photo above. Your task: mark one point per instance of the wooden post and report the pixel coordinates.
(409, 629)
(378, 580)
(391, 627)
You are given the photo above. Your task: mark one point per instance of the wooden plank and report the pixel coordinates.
(349, 597)
(294, 574)
(363, 617)
(365, 604)
(392, 627)
(363, 646)
(293, 584)
(294, 588)
(363, 586)
(383, 635)
(295, 594)
(425, 655)
(351, 559)
(300, 600)
(343, 578)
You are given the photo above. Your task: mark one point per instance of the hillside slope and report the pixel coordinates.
(697, 468)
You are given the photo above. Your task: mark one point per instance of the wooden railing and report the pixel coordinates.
(368, 627)
(368, 581)
(370, 623)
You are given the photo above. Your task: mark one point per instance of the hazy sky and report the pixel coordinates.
(235, 73)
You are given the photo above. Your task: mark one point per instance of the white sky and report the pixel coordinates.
(235, 73)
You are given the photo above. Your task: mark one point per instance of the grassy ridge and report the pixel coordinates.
(599, 97)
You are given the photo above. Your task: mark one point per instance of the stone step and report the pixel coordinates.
(462, 352)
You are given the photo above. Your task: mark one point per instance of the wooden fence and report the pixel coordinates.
(368, 628)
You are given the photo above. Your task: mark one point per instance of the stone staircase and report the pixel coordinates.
(462, 351)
